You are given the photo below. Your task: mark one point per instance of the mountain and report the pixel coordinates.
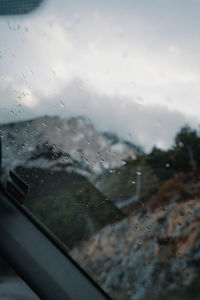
(56, 157)
(74, 141)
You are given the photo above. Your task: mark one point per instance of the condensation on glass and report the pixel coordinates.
(99, 116)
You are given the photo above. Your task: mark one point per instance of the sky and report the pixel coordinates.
(131, 66)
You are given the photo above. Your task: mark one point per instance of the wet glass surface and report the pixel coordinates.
(100, 117)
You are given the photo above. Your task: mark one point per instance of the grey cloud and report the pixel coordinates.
(145, 125)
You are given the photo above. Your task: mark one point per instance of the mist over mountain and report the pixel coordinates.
(72, 144)
(134, 119)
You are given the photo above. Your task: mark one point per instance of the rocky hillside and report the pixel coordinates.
(74, 141)
(153, 253)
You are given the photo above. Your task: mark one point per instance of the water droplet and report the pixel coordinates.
(43, 125)
(61, 104)
(133, 182)
(114, 154)
(139, 243)
(19, 105)
(97, 153)
(124, 162)
(87, 161)
(139, 173)
(167, 165)
(180, 144)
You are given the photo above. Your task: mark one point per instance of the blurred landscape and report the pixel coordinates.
(95, 101)
(130, 218)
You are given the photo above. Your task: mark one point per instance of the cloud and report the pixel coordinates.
(135, 73)
(132, 119)
(108, 50)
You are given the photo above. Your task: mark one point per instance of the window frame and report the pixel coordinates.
(39, 258)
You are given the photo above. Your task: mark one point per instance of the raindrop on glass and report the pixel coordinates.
(124, 162)
(61, 104)
(43, 125)
(180, 144)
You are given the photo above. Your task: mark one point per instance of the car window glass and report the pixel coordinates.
(100, 117)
